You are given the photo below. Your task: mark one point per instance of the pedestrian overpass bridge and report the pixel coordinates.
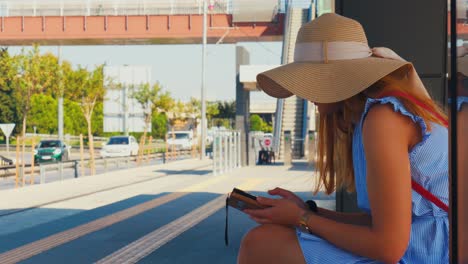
(90, 22)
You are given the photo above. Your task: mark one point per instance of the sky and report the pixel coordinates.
(178, 67)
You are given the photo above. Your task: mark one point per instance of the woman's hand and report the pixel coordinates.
(280, 211)
(289, 196)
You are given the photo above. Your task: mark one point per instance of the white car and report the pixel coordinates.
(120, 146)
(180, 140)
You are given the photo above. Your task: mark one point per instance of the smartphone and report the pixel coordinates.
(242, 200)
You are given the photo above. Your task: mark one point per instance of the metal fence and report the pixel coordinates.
(67, 137)
(125, 7)
(110, 7)
(226, 151)
(77, 168)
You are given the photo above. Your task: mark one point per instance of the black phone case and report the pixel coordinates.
(242, 200)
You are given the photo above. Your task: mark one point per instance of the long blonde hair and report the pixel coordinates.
(335, 135)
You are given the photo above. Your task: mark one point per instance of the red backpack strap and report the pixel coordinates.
(419, 103)
(428, 195)
(416, 186)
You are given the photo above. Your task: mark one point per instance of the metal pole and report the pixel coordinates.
(220, 153)
(42, 172)
(226, 149)
(60, 99)
(239, 149)
(125, 107)
(8, 146)
(21, 173)
(231, 152)
(235, 150)
(203, 102)
(60, 167)
(215, 152)
(75, 166)
(453, 167)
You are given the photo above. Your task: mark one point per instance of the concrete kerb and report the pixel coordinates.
(36, 195)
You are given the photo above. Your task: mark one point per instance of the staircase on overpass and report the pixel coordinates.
(291, 111)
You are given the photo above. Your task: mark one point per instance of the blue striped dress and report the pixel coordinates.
(429, 239)
(460, 101)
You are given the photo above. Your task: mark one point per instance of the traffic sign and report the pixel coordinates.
(7, 129)
(267, 142)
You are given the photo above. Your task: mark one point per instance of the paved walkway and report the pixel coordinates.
(171, 213)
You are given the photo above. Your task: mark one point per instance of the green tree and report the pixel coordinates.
(267, 127)
(212, 110)
(43, 114)
(151, 99)
(177, 113)
(8, 104)
(98, 119)
(256, 123)
(35, 74)
(193, 110)
(87, 87)
(159, 125)
(73, 118)
(227, 109)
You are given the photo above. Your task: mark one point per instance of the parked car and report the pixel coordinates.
(51, 150)
(180, 140)
(120, 146)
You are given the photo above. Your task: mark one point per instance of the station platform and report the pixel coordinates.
(168, 213)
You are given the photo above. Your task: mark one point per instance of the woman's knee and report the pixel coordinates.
(257, 242)
(270, 242)
(253, 237)
(261, 234)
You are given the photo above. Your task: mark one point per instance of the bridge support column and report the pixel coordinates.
(242, 105)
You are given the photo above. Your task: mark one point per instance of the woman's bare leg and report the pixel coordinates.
(270, 244)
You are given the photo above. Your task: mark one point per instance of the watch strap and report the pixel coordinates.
(304, 219)
(312, 205)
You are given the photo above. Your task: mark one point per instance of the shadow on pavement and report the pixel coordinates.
(202, 243)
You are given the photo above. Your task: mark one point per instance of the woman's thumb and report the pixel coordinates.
(266, 201)
(274, 191)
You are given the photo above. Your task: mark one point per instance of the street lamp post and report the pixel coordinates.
(203, 83)
(60, 99)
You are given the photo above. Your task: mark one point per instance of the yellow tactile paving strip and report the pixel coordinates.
(39, 246)
(144, 246)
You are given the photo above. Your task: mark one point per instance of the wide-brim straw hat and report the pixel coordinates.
(332, 62)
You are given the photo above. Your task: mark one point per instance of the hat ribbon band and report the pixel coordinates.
(328, 51)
